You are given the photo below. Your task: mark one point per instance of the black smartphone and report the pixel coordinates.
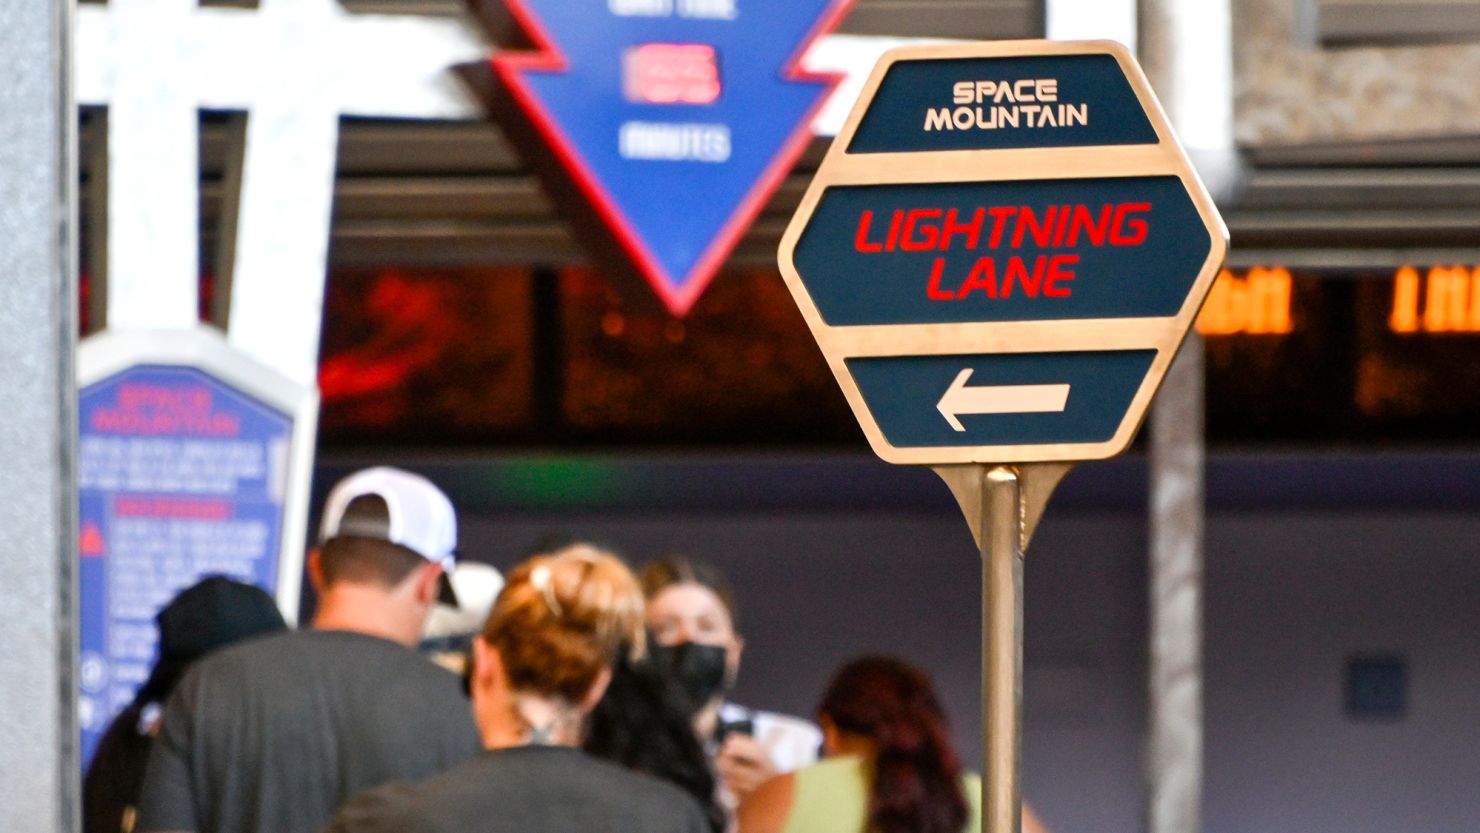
(726, 728)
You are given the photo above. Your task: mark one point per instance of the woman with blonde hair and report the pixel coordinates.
(540, 665)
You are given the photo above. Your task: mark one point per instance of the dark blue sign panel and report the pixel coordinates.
(1003, 104)
(676, 119)
(1003, 399)
(1002, 251)
(181, 476)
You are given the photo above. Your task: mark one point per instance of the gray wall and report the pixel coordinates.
(1290, 597)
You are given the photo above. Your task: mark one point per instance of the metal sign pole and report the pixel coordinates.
(1002, 649)
(1003, 505)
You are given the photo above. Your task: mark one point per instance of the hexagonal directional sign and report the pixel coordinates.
(1002, 252)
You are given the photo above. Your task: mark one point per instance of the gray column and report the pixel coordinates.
(1175, 737)
(38, 300)
(1186, 48)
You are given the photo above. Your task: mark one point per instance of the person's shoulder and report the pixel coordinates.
(281, 659)
(451, 800)
(358, 649)
(831, 774)
(419, 676)
(661, 802)
(307, 648)
(971, 788)
(831, 794)
(231, 667)
(769, 807)
(839, 765)
(349, 653)
(248, 650)
(646, 785)
(455, 798)
(658, 798)
(392, 808)
(589, 766)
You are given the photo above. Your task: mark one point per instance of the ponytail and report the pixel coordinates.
(916, 778)
(564, 618)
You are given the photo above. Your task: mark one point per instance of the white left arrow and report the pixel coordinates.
(960, 400)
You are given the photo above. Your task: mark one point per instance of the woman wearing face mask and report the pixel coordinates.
(691, 614)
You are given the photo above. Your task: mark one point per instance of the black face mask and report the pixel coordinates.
(699, 670)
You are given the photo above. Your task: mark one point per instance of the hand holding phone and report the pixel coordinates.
(743, 764)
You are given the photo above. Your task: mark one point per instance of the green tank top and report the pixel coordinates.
(832, 797)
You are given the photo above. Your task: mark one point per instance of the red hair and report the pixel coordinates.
(916, 774)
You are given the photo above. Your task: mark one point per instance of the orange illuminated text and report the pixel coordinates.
(1444, 300)
(1255, 304)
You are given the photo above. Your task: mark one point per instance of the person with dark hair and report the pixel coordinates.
(890, 768)
(212, 613)
(644, 723)
(693, 618)
(542, 663)
(274, 735)
(448, 636)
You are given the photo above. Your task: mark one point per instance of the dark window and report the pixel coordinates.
(1376, 688)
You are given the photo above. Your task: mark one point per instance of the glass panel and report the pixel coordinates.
(741, 368)
(426, 358)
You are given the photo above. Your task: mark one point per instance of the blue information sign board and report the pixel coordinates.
(672, 121)
(1002, 252)
(182, 475)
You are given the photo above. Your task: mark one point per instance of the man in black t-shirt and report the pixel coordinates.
(274, 735)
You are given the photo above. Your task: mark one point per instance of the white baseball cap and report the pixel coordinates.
(478, 586)
(420, 516)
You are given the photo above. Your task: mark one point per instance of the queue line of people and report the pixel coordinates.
(591, 700)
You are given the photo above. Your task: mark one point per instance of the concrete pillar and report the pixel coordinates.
(1174, 750)
(38, 302)
(1186, 48)
(1091, 20)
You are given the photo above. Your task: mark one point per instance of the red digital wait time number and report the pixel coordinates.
(671, 73)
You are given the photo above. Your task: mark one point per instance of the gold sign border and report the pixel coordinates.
(1165, 335)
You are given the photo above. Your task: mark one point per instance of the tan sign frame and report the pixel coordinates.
(1165, 335)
